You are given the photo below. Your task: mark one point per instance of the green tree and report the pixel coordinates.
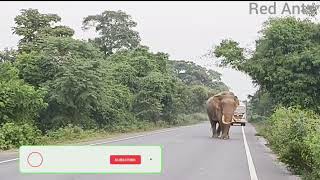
(74, 93)
(45, 60)
(232, 54)
(115, 107)
(148, 103)
(69, 69)
(116, 31)
(139, 70)
(182, 99)
(8, 55)
(192, 74)
(34, 26)
(198, 98)
(285, 61)
(127, 67)
(81, 90)
(19, 102)
(261, 105)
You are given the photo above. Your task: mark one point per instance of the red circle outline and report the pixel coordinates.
(38, 154)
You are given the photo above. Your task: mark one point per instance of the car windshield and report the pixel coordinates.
(240, 109)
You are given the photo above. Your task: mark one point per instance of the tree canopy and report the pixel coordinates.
(192, 74)
(285, 62)
(115, 29)
(33, 26)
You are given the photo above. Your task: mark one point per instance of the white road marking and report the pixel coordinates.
(142, 135)
(252, 169)
(122, 139)
(9, 160)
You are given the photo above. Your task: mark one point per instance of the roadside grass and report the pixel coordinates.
(260, 128)
(76, 135)
(73, 134)
(71, 137)
(260, 124)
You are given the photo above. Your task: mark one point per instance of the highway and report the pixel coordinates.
(189, 154)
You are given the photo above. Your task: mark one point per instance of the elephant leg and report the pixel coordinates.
(219, 129)
(225, 132)
(214, 128)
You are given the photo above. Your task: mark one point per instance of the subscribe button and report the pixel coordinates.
(90, 159)
(125, 159)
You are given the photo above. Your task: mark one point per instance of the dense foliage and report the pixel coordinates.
(115, 30)
(34, 26)
(61, 87)
(19, 102)
(14, 135)
(285, 63)
(294, 134)
(192, 74)
(261, 106)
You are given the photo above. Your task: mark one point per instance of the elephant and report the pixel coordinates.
(220, 109)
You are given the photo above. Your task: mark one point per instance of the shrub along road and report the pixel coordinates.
(189, 153)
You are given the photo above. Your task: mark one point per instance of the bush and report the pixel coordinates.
(313, 142)
(189, 119)
(69, 132)
(122, 126)
(255, 118)
(19, 102)
(14, 136)
(294, 135)
(200, 116)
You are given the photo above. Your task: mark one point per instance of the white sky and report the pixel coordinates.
(185, 30)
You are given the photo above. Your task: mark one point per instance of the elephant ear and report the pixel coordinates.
(217, 98)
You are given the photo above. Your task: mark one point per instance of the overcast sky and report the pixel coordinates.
(185, 30)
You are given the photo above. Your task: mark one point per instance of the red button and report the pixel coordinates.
(125, 159)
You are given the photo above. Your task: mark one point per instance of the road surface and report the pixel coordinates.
(189, 154)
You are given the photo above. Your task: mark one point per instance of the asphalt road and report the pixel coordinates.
(189, 154)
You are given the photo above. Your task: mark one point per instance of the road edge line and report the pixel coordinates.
(252, 169)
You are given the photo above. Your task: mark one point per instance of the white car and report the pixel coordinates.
(239, 116)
